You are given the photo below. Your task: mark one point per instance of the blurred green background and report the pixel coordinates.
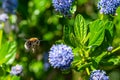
(37, 18)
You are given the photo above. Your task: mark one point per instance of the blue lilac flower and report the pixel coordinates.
(108, 6)
(110, 48)
(60, 56)
(62, 6)
(10, 6)
(3, 17)
(98, 75)
(16, 70)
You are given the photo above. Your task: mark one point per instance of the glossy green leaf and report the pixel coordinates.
(67, 31)
(109, 26)
(76, 35)
(11, 53)
(7, 52)
(97, 31)
(69, 37)
(80, 28)
(3, 52)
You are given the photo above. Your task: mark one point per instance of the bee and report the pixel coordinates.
(32, 44)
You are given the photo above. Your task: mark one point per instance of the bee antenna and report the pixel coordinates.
(42, 40)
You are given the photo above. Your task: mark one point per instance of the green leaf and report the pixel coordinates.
(69, 37)
(15, 78)
(7, 52)
(109, 26)
(76, 35)
(80, 28)
(11, 53)
(6, 67)
(97, 31)
(3, 53)
(67, 31)
(1, 31)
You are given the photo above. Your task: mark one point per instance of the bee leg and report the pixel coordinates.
(33, 50)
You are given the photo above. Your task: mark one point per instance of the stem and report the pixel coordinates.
(77, 64)
(101, 16)
(92, 68)
(86, 54)
(87, 70)
(116, 49)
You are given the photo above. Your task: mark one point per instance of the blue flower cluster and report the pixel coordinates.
(16, 70)
(108, 6)
(10, 6)
(98, 75)
(60, 56)
(62, 6)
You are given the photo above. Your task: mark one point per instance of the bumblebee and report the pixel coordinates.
(32, 44)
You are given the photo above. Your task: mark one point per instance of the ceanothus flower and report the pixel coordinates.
(110, 48)
(3, 17)
(60, 56)
(98, 75)
(16, 70)
(10, 6)
(108, 6)
(62, 6)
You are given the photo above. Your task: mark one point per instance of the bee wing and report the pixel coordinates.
(26, 47)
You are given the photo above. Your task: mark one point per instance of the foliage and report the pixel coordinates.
(91, 37)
